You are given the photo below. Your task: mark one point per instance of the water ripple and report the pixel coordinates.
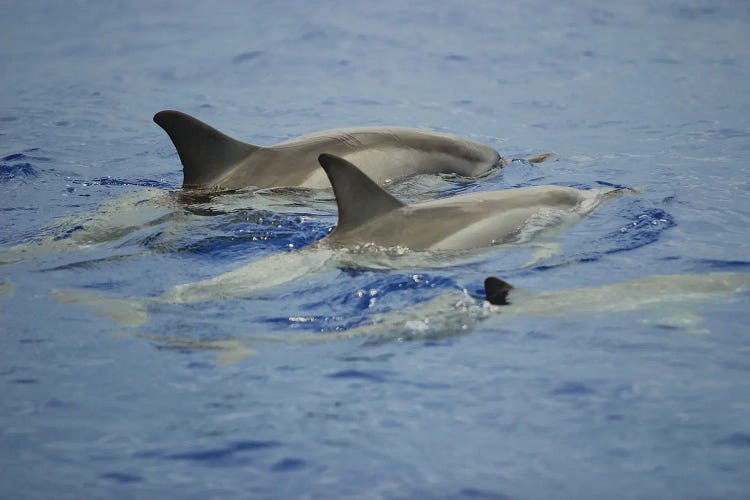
(357, 375)
(232, 451)
(22, 166)
(288, 464)
(572, 389)
(17, 171)
(735, 440)
(121, 477)
(109, 181)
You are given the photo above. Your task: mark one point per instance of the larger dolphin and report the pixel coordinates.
(211, 159)
(370, 221)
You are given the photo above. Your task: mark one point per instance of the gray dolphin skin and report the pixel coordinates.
(370, 215)
(214, 160)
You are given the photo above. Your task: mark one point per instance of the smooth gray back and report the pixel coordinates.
(212, 159)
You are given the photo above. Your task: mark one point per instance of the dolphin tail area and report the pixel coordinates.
(540, 157)
(206, 154)
(618, 191)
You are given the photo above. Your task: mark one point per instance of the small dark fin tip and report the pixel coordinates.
(497, 290)
(158, 117)
(325, 158)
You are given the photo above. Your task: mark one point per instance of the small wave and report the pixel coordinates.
(26, 157)
(572, 389)
(735, 440)
(645, 227)
(121, 477)
(288, 464)
(360, 375)
(109, 181)
(247, 56)
(723, 265)
(366, 294)
(257, 231)
(230, 453)
(387, 288)
(23, 170)
(482, 494)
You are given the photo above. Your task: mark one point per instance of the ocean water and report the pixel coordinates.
(649, 403)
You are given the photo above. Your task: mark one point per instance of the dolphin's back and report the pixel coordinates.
(384, 154)
(212, 159)
(387, 154)
(370, 215)
(484, 219)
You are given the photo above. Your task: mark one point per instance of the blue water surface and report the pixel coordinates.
(649, 94)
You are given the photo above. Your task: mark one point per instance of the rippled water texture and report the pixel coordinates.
(295, 391)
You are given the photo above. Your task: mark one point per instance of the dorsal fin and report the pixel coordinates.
(497, 291)
(358, 197)
(205, 152)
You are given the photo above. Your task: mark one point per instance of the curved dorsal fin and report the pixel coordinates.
(497, 291)
(358, 197)
(205, 152)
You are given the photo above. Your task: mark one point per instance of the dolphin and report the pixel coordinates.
(368, 214)
(646, 293)
(457, 313)
(372, 222)
(213, 160)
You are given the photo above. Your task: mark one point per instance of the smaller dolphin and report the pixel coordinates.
(457, 313)
(368, 214)
(651, 292)
(214, 160)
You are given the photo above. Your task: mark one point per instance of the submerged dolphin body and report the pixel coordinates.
(125, 215)
(214, 160)
(371, 223)
(457, 313)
